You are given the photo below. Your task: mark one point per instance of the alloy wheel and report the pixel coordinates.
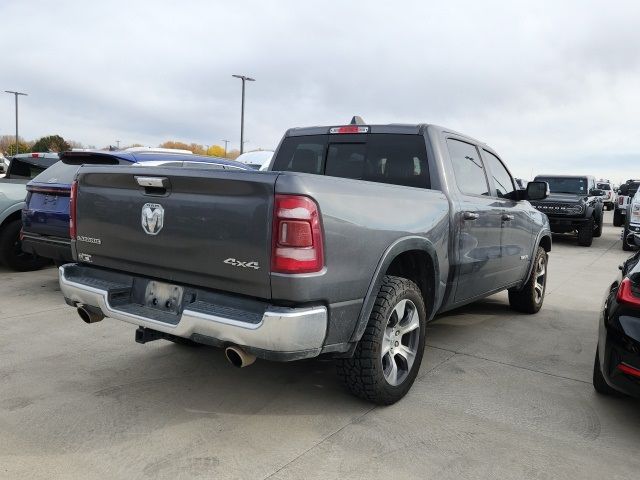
(400, 342)
(540, 278)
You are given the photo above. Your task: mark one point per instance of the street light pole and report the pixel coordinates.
(244, 79)
(225, 147)
(16, 100)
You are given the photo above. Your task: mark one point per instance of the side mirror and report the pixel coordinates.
(596, 192)
(537, 190)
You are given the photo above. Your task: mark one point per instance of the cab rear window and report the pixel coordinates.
(384, 158)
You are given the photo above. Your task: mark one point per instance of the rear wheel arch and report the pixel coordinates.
(545, 242)
(414, 258)
(17, 215)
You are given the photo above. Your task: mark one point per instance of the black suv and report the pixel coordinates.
(574, 205)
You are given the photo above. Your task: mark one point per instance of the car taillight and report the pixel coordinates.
(72, 209)
(297, 244)
(620, 200)
(625, 294)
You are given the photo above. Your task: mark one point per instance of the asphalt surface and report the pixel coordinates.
(500, 395)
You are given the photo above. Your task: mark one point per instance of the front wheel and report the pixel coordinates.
(530, 298)
(585, 233)
(387, 359)
(597, 232)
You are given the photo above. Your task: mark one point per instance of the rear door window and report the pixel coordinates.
(468, 167)
(384, 158)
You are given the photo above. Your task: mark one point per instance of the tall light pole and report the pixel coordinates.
(244, 79)
(16, 99)
(225, 147)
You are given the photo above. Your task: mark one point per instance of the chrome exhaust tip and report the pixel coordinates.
(89, 314)
(238, 357)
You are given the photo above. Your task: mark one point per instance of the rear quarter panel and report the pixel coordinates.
(360, 221)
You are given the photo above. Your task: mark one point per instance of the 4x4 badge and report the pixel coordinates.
(152, 218)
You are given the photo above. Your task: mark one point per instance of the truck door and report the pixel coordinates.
(478, 217)
(517, 225)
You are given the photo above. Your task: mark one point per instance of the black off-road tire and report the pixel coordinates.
(618, 220)
(11, 253)
(599, 383)
(626, 246)
(526, 300)
(597, 232)
(585, 233)
(363, 374)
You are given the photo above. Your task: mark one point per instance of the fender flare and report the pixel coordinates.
(401, 245)
(541, 235)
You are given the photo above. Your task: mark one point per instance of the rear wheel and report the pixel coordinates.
(585, 234)
(599, 383)
(617, 218)
(597, 232)
(388, 356)
(530, 298)
(11, 253)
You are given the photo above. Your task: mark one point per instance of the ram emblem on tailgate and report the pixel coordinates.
(152, 218)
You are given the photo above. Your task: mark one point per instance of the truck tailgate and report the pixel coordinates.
(209, 228)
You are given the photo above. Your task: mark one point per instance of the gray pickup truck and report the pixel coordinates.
(348, 245)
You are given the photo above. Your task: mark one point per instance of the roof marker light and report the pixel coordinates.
(349, 129)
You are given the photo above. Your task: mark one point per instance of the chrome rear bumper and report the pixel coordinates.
(296, 331)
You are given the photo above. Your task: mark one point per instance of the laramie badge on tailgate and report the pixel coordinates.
(152, 218)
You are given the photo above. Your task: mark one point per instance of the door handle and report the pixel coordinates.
(470, 216)
(507, 217)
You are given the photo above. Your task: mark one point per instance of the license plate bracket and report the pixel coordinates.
(164, 296)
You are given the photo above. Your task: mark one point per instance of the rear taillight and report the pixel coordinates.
(625, 294)
(297, 245)
(72, 209)
(620, 200)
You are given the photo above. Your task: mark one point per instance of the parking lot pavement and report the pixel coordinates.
(500, 395)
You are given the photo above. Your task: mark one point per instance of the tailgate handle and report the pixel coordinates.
(154, 185)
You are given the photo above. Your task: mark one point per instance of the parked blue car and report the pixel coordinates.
(45, 217)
